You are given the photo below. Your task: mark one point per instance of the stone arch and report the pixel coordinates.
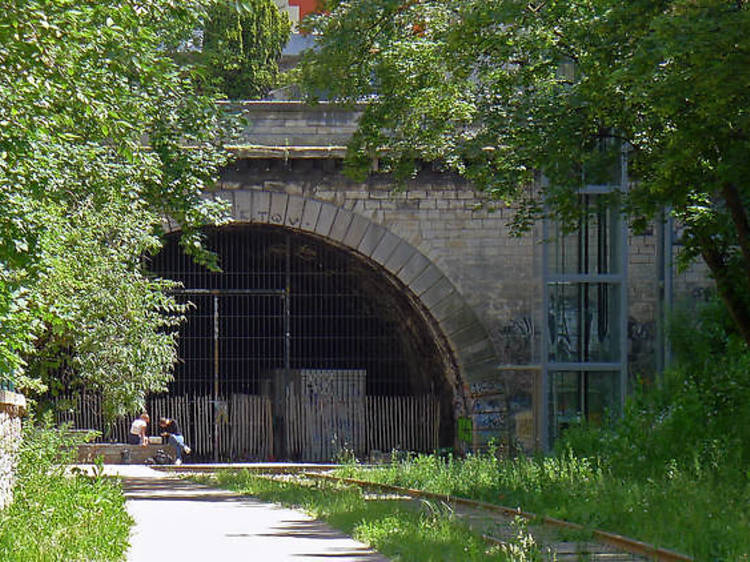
(445, 308)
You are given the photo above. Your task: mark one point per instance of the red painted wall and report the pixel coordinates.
(305, 6)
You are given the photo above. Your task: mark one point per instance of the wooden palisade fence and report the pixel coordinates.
(244, 422)
(321, 430)
(316, 429)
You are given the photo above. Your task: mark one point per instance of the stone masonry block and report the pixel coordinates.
(279, 186)
(356, 232)
(437, 293)
(447, 307)
(426, 279)
(243, 206)
(478, 353)
(412, 269)
(459, 321)
(469, 336)
(325, 219)
(481, 372)
(261, 206)
(385, 247)
(341, 224)
(294, 211)
(310, 215)
(277, 213)
(371, 238)
(402, 254)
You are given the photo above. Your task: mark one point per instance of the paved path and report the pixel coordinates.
(177, 520)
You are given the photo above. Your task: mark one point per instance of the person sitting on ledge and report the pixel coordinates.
(137, 434)
(171, 431)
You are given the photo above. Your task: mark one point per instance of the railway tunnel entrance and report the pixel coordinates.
(300, 349)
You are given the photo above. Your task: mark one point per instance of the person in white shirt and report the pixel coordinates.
(137, 435)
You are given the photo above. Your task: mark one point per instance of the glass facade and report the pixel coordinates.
(582, 322)
(592, 248)
(584, 344)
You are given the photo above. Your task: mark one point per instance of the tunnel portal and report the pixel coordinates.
(290, 310)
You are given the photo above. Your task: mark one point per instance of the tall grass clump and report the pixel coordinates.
(686, 442)
(674, 470)
(57, 516)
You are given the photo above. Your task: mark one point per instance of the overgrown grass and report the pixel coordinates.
(705, 516)
(674, 471)
(392, 527)
(55, 517)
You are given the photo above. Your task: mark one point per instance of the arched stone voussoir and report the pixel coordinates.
(340, 226)
(486, 371)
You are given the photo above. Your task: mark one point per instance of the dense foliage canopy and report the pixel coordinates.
(83, 199)
(506, 91)
(242, 45)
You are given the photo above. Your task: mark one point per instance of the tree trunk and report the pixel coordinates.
(730, 293)
(737, 210)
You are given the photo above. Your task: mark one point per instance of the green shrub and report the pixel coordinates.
(58, 516)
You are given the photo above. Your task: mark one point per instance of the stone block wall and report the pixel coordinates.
(12, 407)
(290, 123)
(447, 244)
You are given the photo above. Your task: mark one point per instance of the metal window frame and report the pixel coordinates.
(617, 368)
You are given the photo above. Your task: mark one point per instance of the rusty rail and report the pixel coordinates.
(624, 543)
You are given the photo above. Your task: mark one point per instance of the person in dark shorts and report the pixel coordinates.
(137, 434)
(171, 431)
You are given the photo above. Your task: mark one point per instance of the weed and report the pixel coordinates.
(55, 517)
(673, 471)
(523, 547)
(402, 530)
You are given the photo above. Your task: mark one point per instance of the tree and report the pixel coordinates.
(242, 44)
(83, 199)
(502, 91)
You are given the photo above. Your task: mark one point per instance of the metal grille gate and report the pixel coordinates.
(256, 319)
(284, 303)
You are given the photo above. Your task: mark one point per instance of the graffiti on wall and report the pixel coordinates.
(515, 340)
(641, 347)
(502, 411)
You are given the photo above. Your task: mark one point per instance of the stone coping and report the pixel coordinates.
(287, 152)
(12, 402)
(291, 105)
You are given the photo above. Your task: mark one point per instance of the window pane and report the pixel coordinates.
(594, 247)
(583, 322)
(580, 395)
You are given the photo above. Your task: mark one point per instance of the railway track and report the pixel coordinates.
(492, 521)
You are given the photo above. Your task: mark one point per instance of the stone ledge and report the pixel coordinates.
(12, 403)
(263, 106)
(287, 152)
(112, 453)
